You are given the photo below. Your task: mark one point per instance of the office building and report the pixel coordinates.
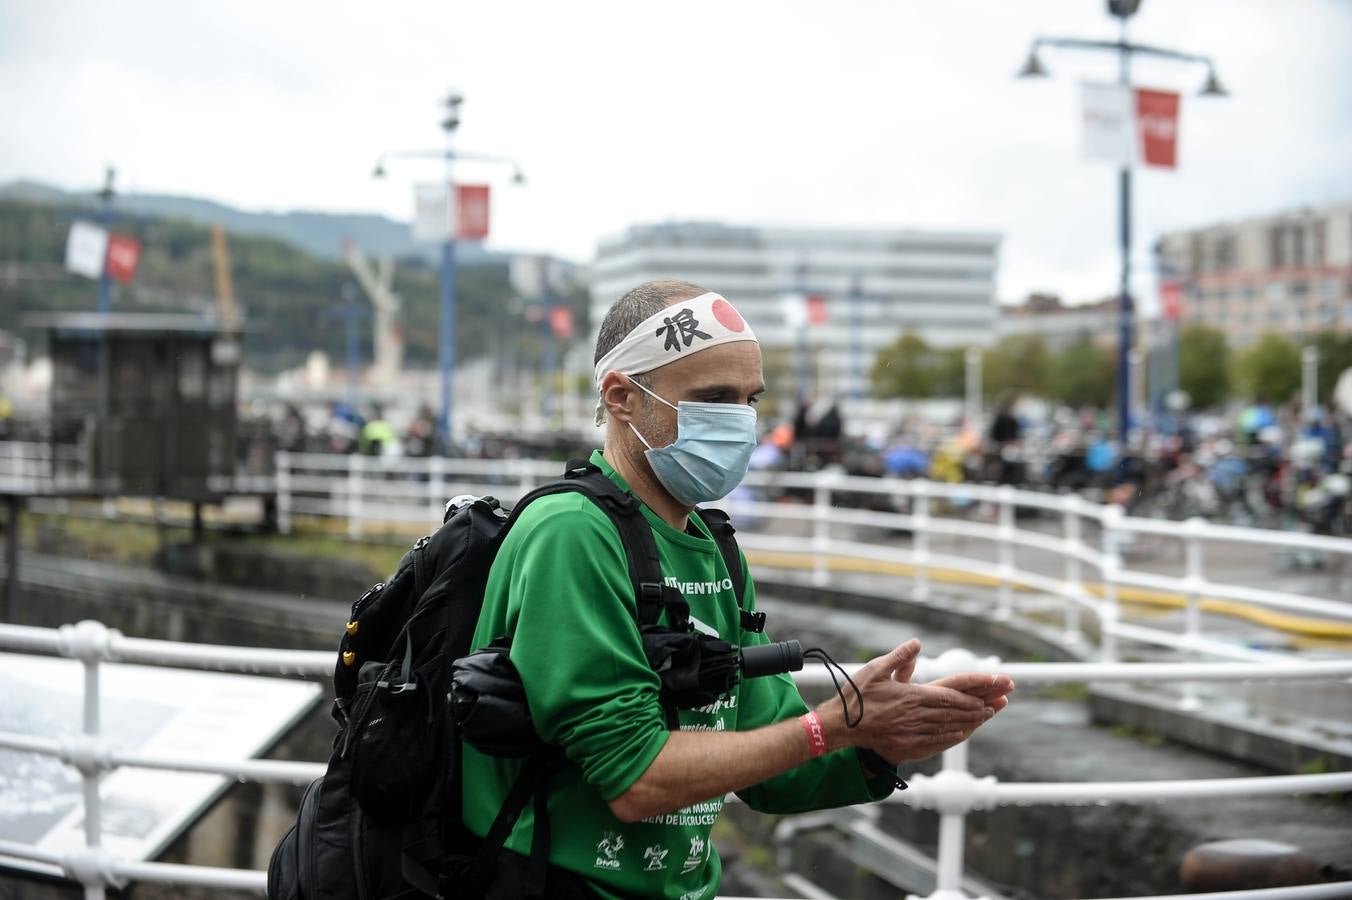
(1290, 274)
(866, 288)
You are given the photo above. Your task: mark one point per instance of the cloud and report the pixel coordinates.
(866, 113)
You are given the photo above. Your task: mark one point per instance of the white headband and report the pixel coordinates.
(671, 334)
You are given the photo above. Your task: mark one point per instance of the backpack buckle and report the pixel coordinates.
(753, 621)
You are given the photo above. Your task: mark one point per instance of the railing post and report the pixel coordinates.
(920, 540)
(354, 488)
(281, 484)
(525, 477)
(1070, 534)
(821, 530)
(1112, 561)
(88, 642)
(1004, 544)
(436, 487)
(1192, 615)
(952, 830)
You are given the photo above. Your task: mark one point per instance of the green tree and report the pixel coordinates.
(1017, 363)
(903, 369)
(1269, 371)
(1335, 357)
(1082, 375)
(1203, 366)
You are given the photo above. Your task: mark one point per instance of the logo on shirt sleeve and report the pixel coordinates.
(695, 858)
(608, 851)
(655, 857)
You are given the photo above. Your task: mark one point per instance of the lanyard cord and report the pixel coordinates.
(832, 667)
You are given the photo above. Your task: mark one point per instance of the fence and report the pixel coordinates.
(368, 493)
(364, 493)
(954, 792)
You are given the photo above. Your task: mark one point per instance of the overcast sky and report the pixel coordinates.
(849, 112)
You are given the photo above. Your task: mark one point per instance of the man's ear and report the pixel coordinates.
(619, 397)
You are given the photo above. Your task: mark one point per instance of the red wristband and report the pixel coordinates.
(816, 735)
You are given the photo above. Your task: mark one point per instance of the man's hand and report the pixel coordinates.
(904, 721)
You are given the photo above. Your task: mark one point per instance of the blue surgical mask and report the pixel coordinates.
(709, 457)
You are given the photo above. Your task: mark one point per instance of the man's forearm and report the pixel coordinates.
(695, 766)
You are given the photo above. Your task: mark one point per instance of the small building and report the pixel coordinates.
(1061, 324)
(1288, 273)
(147, 401)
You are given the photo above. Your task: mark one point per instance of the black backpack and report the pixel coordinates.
(384, 820)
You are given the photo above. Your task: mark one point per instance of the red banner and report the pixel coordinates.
(1171, 300)
(1157, 127)
(816, 309)
(471, 208)
(561, 322)
(123, 255)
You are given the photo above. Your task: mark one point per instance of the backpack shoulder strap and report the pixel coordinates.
(720, 526)
(636, 535)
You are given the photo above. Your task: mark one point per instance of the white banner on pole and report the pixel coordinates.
(528, 274)
(431, 213)
(86, 249)
(794, 308)
(1108, 122)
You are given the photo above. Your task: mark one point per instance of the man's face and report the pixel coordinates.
(728, 373)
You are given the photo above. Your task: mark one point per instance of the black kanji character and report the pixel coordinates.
(681, 327)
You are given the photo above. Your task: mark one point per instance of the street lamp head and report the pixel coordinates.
(1032, 67)
(1213, 86)
(451, 121)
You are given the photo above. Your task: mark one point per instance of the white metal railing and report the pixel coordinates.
(32, 467)
(954, 792)
(370, 492)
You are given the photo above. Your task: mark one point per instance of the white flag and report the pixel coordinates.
(1108, 122)
(431, 213)
(86, 248)
(794, 307)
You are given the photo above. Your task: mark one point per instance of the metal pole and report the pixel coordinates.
(446, 334)
(1125, 340)
(1138, 374)
(973, 404)
(350, 321)
(801, 362)
(1309, 380)
(857, 338)
(550, 363)
(105, 218)
(15, 504)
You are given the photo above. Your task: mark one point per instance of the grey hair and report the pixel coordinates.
(626, 313)
(646, 300)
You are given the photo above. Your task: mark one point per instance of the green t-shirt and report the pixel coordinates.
(560, 586)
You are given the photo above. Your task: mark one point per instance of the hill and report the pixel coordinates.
(318, 233)
(287, 296)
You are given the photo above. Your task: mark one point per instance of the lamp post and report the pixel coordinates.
(105, 219)
(446, 328)
(1034, 68)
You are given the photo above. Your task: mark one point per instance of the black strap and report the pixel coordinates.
(529, 782)
(720, 526)
(537, 874)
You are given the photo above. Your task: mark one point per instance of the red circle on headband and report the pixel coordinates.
(728, 317)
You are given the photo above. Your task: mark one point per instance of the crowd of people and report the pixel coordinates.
(1256, 465)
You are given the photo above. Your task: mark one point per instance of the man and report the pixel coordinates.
(678, 373)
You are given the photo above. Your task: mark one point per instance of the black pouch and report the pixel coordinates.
(695, 668)
(396, 741)
(489, 706)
